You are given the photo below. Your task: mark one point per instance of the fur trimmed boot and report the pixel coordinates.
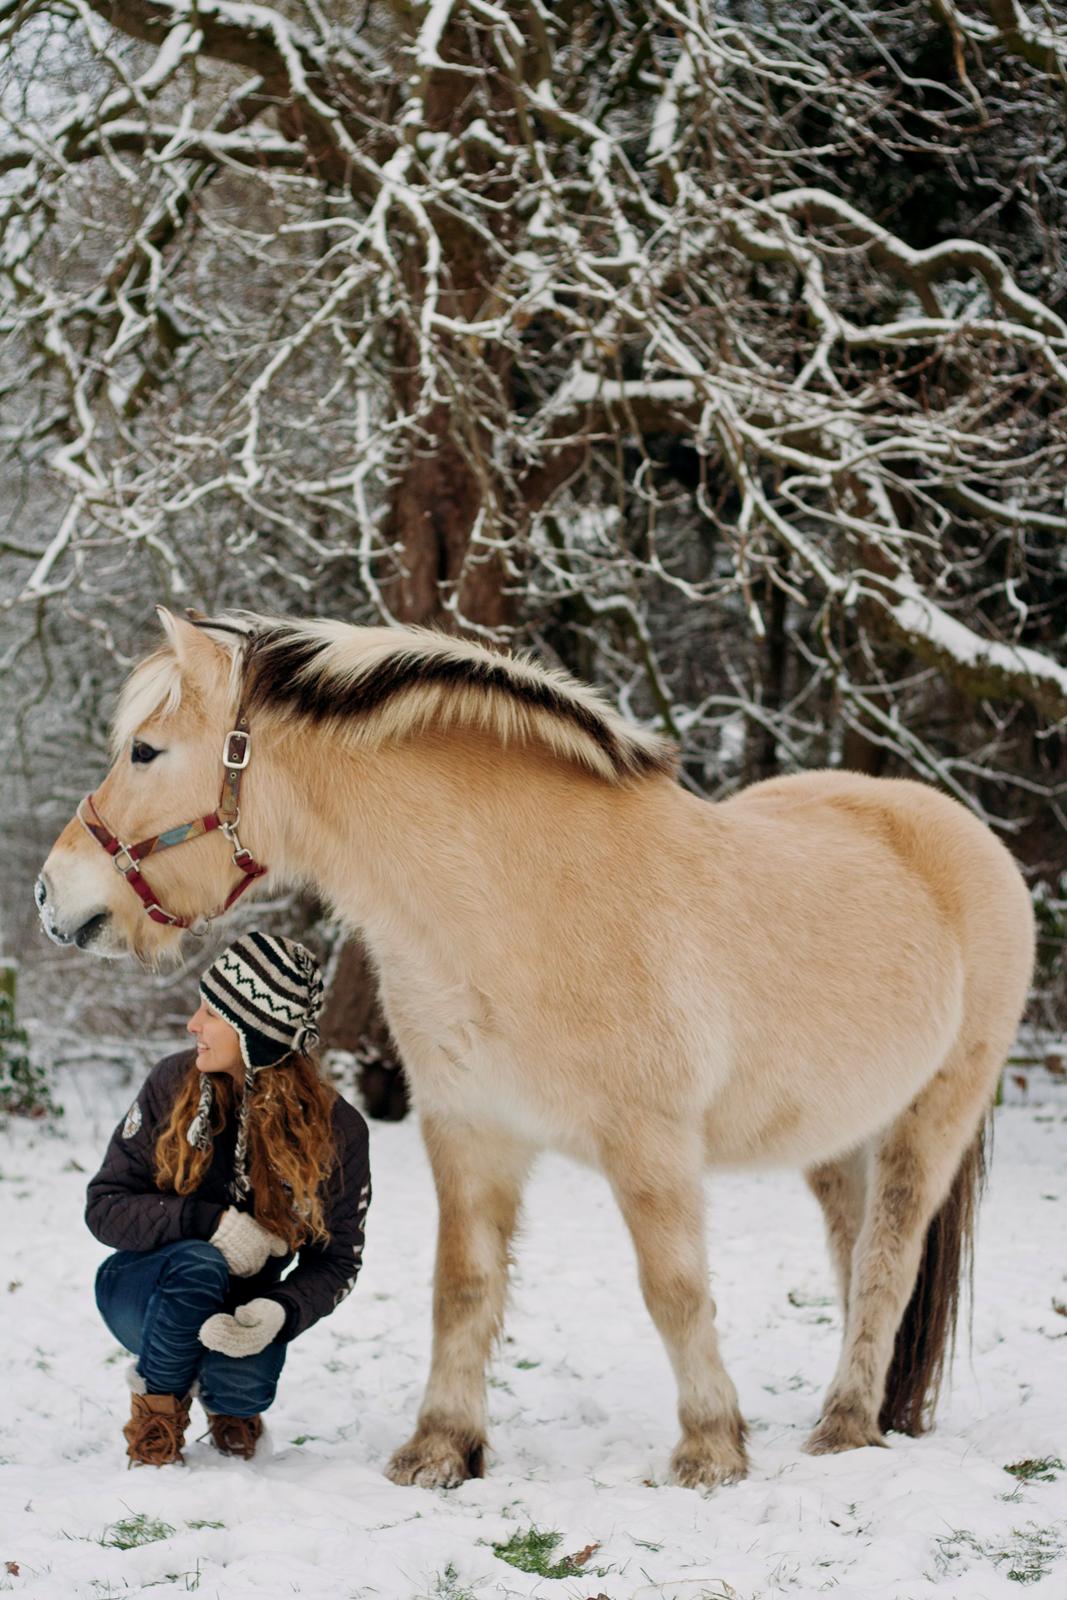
(235, 1436)
(155, 1432)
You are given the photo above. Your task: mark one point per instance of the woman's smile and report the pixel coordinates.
(218, 1047)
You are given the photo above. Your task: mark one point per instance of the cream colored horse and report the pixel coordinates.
(826, 971)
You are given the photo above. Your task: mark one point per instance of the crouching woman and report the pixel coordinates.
(234, 1159)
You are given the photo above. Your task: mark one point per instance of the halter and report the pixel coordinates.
(236, 751)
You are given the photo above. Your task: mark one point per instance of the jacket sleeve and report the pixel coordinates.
(324, 1274)
(125, 1209)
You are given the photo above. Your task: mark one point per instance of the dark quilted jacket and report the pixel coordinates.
(127, 1211)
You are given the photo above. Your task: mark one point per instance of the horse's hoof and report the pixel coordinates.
(696, 1466)
(842, 1430)
(435, 1461)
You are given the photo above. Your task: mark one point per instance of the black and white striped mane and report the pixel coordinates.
(388, 682)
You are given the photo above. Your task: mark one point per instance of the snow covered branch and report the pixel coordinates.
(676, 340)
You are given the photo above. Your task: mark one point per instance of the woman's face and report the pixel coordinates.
(218, 1048)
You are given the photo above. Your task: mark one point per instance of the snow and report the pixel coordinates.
(581, 387)
(582, 1406)
(952, 252)
(664, 130)
(917, 615)
(181, 41)
(426, 56)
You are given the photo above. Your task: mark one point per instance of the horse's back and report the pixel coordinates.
(967, 872)
(868, 925)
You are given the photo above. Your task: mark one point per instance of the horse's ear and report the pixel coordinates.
(199, 657)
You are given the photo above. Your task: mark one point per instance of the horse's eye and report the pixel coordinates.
(141, 754)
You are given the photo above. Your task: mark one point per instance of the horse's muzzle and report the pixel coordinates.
(44, 913)
(82, 936)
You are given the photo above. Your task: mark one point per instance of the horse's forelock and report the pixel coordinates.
(154, 688)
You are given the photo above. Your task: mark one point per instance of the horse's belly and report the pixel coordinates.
(798, 1106)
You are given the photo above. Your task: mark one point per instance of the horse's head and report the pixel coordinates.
(170, 728)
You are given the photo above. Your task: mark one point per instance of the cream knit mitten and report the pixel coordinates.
(250, 1330)
(244, 1243)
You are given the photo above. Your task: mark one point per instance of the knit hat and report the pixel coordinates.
(270, 991)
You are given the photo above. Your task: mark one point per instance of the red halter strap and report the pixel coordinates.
(126, 858)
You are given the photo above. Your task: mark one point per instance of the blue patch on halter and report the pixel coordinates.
(176, 835)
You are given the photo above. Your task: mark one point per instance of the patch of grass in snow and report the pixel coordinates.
(188, 1580)
(204, 1522)
(446, 1586)
(1040, 1469)
(1027, 1558)
(792, 1385)
(533, 1550)
(134, 1531)
(526, 1366)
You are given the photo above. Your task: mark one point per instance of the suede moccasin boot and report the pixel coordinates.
(235, 1436)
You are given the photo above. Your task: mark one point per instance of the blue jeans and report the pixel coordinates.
(154, 1302)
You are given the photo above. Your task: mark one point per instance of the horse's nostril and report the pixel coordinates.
(89, 930)
(40, 892)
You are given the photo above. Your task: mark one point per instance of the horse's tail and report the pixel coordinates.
(926, 1338)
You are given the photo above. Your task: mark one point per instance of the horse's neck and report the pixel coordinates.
(416, 832)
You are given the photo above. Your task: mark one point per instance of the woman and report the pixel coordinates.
(233, 1158)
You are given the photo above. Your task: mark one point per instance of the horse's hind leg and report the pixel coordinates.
(924, 1176)
(659, 1187)
(479, 1179)
(841, 1190)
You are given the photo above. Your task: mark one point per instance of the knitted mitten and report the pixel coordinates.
(247, 1332)
(244, 1243)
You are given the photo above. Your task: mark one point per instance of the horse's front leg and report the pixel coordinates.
(659, 1186)
(479, 1177)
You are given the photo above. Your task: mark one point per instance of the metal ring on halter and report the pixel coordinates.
(131, 860)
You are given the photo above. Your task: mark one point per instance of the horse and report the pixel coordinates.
(824, 971)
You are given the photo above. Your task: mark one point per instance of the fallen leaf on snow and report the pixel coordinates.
(583, 1556)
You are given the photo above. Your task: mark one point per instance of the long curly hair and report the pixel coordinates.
(290, 1144)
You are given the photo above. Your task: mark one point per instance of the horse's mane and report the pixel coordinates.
(381, 684)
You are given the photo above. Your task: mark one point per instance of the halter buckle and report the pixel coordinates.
(116, 861)
(237, 762)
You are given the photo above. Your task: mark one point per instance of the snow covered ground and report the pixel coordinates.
(582, 1406)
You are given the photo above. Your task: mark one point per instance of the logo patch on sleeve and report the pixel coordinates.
(133, 1121)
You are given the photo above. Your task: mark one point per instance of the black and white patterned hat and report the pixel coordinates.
(270, 990)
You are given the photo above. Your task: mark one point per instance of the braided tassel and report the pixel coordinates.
(240, 1185)
(198, 1132)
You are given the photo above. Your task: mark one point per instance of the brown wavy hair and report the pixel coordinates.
(290, 1144)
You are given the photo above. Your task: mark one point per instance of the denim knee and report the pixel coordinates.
(194, 1261)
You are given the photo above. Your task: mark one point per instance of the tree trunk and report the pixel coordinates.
(761, 744)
